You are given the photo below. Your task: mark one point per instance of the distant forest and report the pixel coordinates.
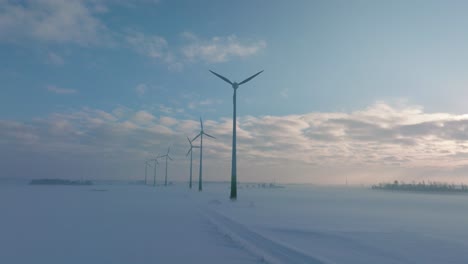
(59, 182)
(422, 187)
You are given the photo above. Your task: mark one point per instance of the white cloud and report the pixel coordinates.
(141, 89)
(219, 49)
(169, 110)
(55, 59)
(194, 49)
(79, 22)
(60, 21)
(206, 103)
(58, 90)
(381, 142)
(168, 121)
(284, 93)
(133, 3)
(210, 101)
(153, 46)
(128, 125)
(143, 117)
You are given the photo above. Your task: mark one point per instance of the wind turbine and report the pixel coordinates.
(202, 132)
(234, 85)
(190, 151)
(156, 163)
(146, 170)
(167, 157)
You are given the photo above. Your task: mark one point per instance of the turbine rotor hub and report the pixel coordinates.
(235, 85)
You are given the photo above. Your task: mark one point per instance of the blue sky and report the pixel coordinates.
(74, 73)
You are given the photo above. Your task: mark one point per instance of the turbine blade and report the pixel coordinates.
(222, 77)
(196, 137)
(188, 152)
(169, 157)
(208, 135)
(168, 149)
(190, 142)
(250, 78)
(201, 124)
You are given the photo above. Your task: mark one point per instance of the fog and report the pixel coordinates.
(121, 223)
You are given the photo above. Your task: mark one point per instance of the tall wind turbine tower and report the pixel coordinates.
(167, 157)
(234, 85)
(156, 163)
(202, 132)
(146, 170)
(191, 152)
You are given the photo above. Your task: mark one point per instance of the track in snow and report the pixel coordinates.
(268, 250)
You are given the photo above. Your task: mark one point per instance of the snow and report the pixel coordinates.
(296, 224)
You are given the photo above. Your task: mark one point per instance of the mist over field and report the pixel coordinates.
(158, 131)
(123, 223)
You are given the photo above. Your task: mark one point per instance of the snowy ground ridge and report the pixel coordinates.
(268, 250)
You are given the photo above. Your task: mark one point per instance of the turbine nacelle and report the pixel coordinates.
(167, 155)
(235, 85)
(202, 132)
(156, 162)
(191, 146)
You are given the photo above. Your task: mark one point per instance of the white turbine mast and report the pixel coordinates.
(167, 157)
(202, 132)
(146, 170)
(234, 85)
(156, 163)
(190, 151)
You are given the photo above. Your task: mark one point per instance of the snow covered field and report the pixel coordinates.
(297, 224)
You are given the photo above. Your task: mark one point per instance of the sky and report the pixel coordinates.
(371, 91)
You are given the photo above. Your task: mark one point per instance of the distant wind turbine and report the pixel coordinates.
(167, 157)
(234, 85)
(146, 170)
(191, 152)
(156, 163)
(202, 132)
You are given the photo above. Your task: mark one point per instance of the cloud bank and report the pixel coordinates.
(79, 22)
(378, 143)
(58, 90)
(58, 21)
(219, 49)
